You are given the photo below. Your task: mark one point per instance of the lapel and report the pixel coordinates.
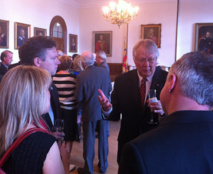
(156, 81)
(54, 99)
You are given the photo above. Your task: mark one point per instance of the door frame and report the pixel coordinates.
(60, 20)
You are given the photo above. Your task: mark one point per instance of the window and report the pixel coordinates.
(57, 30)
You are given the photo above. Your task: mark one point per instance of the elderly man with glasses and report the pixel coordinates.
(129, 96)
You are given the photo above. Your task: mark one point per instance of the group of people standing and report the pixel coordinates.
(181, 139)
(40, 53)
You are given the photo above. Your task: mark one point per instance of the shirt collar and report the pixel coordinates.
(6, 66)
(149, 79)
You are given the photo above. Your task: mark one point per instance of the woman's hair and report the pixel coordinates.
(23, 92)
(77, 66)
(65, 61)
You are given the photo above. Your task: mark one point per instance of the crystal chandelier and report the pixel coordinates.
(120, 13)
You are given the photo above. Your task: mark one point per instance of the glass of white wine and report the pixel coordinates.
(152, 98)
(59, 127)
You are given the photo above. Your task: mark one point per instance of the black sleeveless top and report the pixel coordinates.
(29, 156)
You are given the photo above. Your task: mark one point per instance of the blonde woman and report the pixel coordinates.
(24, 98)
(77, 66)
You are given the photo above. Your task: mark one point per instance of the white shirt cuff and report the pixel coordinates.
(106, 113)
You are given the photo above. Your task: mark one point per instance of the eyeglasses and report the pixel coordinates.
(150, 60)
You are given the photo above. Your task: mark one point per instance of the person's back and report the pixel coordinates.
(88, 82)
(30, 154)
(178, 147)
(93, 78)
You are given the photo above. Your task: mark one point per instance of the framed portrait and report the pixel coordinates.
(40, 31)
(102, 40)
(153, 32)
(204, 37)
(22, 33)
(73, 43)
(4, 34)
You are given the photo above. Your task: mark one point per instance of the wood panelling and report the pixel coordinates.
(115, 70)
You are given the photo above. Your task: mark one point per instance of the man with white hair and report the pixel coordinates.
(101, 60)
(87, 84)
(130, 93)
(183, 141)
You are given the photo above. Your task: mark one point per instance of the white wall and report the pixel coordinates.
(163, 13)
(91, 19)
(88, 18)
(191, 12)
(38, 13)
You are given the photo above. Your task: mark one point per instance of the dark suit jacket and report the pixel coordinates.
(182, 143)
(3, 69)
(55, 107)
(14, 65)
(87, 84)
(125, 99)
(1, 76)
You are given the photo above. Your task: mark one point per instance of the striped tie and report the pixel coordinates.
(143, 91)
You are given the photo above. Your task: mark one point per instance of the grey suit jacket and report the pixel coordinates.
(87, 84)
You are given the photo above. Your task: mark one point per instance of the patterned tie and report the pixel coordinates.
(143, 91)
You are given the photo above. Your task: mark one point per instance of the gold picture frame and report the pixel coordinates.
(204, 37)
(153, 32)
(4, 34)
(102, 40)
(40, 31)
(22, 33)
(73, 43)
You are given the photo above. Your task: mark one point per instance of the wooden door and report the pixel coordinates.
(59, 43)
(59, 36)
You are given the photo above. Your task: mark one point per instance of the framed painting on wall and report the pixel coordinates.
(153, 32)
(22, 33)
(102, 40)
(204, 37)
(73, 40)
(4, 34)
(40, 31)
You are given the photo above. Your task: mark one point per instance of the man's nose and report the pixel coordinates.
(146, 62)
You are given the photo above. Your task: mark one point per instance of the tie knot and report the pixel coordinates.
(144, 80)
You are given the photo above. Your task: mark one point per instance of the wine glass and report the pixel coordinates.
(59, 127)
(152, 98)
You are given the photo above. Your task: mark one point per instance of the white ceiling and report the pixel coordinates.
(98, 3)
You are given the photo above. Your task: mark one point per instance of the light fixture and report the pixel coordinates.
(120, 13)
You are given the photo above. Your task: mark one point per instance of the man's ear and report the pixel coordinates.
(37, 61)
(172, 82)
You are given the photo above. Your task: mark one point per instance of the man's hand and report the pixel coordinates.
(104, 101)
(156, 107)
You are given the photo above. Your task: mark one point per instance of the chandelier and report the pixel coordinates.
(120, 13)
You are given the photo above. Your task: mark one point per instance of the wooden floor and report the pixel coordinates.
(77, 152)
